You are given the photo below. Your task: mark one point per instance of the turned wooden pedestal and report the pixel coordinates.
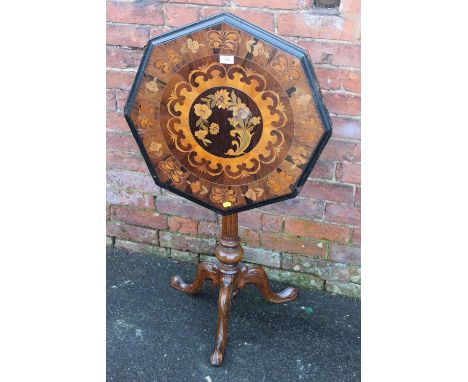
(229, 276)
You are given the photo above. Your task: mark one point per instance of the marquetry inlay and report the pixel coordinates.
(227, 117)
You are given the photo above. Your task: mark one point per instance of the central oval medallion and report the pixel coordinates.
(226, 122)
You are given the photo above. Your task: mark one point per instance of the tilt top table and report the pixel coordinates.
(230, 117)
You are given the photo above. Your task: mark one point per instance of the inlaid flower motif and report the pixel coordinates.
(172, 58)
(233, 122)
(286, 69)
(301, 98)
(198, 188)
(278, 182)
(163, 66)
(223, 39)
(221, 98)
(146, 123)
(243, 125)
(299, 158)
(254, 193)
(152, 86)
(172, 171)
(201, 134)
(304, 99)
(240, 111)
(214, 128)
(255, 120)
(202, 110)
(223, 195)
(146, 111)
(262, 139)
(242, 120)
(257, 49)
(155, 148)
(191, 46)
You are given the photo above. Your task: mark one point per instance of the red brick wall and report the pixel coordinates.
(311, 241)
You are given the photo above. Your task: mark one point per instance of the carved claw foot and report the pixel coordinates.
(224, 303)
(258, 277)
(205, 271)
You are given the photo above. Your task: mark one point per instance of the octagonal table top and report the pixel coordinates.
(227, 115)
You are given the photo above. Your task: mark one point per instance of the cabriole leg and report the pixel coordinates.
(224, 304)
(205, 271)
(258, 277)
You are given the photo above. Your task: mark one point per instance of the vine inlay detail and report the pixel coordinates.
(242, 120)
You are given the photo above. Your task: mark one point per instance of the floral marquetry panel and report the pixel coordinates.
(227, 115)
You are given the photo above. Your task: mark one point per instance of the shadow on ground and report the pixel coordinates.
(157, 334)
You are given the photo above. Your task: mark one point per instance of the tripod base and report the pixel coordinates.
(230, 278)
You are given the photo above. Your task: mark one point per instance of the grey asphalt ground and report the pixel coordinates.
(157, 334)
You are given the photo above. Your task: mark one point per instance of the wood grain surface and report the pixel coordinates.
(227, 135)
